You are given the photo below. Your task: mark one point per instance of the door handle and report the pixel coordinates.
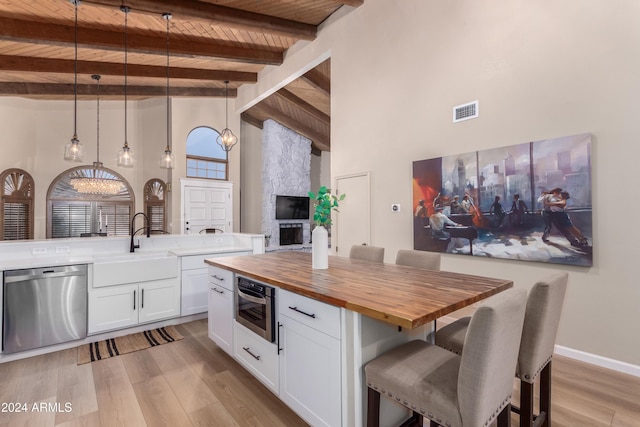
(142, 303)
(134, 300)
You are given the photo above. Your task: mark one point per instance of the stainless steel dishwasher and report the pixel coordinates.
(44, 306)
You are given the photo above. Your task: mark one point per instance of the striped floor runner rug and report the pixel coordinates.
(129, 343)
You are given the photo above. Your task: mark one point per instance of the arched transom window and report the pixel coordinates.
(155, 191)
(205, 158)
(16, 205)
(80, 213)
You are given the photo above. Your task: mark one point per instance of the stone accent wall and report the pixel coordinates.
(286, 170)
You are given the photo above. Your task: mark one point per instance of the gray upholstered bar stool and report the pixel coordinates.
(367, 253)
(468, 390)
(420, 259)
(542, 317)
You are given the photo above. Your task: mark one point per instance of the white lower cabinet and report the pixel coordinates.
(195, 282)
(221, 317)
(310, 373)
(116, 307)
(257, 355)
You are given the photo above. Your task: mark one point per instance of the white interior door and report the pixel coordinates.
(207, 205)
(352, 225)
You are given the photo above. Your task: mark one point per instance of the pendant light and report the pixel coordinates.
(227, 139)
(100, 182)
(125, 156)
(167, 160)
(73, 150)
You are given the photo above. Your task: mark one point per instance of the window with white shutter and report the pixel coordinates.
(16, 205)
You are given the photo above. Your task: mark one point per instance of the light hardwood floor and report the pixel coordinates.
(192, 382)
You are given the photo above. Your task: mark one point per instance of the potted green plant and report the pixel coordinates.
(325, 202)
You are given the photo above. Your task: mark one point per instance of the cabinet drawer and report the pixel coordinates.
(318, 315)
(219, 276)
(257, 355)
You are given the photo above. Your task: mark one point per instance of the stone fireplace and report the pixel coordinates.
(286, 171)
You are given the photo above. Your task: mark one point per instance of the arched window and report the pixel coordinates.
(205, 158)
(16, 205)
(71, 213)
(155, 206)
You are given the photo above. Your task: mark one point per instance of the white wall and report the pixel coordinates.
(540, 70)
(37, 131)
(251, 178)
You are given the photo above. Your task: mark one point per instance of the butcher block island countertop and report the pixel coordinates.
(402, 296)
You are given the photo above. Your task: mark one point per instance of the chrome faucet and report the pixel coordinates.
(133, 247)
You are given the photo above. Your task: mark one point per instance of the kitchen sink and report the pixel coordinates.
(119, 269)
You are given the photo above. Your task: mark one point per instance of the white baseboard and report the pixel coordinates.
(594, 359)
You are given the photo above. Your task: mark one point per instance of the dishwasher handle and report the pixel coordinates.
(14, 276)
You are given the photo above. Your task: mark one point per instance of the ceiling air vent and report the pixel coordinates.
(465, 111)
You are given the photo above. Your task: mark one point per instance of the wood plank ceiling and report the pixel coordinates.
(209, 42)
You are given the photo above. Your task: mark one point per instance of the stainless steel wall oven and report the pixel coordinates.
(255, 307)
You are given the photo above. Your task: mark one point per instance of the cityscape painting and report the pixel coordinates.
(528, 202)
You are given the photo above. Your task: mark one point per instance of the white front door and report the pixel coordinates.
(207, 205)
(352, 225)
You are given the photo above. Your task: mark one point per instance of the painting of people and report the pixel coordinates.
(530, 201)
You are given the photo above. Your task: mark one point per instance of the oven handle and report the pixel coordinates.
(250, 298)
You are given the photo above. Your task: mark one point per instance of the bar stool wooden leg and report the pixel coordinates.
(504, 418)
(526, 404)
(373, 408)
(545, 395)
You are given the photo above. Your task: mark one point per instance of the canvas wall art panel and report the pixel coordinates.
(530, 202)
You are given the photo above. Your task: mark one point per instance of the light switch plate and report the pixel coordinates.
(39, 251)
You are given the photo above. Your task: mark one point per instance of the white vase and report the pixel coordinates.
(320, 248)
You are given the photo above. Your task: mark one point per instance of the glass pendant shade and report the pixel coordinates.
(125, 156)
(74, 150)
(167, 160)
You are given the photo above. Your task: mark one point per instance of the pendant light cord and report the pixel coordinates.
(125, 9)
(75, 73)
(97, 78)
(226, 103)
(167, 16)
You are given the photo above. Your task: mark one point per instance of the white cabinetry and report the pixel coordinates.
(195, 281)
(118, 300)
(220, 285)
(116, 307)
(310, 375)
(257, 355)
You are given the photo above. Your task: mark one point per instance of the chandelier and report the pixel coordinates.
(97, 186)
(226, 140)
(99, 183)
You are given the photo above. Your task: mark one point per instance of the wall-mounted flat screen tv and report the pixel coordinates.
(292, 207)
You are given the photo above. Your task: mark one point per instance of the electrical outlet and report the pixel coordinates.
(62, 249)
(395, 207)
(39, 251)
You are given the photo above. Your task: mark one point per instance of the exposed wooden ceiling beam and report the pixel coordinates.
(318, 80)
(109, 90)
(62, 35)
(252, 120)
(304, 106)
(320, 140)
(217, 14)
(44, 65)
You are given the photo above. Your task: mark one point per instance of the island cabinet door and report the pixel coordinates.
(310, 373)
(221, 317)
(113, 307)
